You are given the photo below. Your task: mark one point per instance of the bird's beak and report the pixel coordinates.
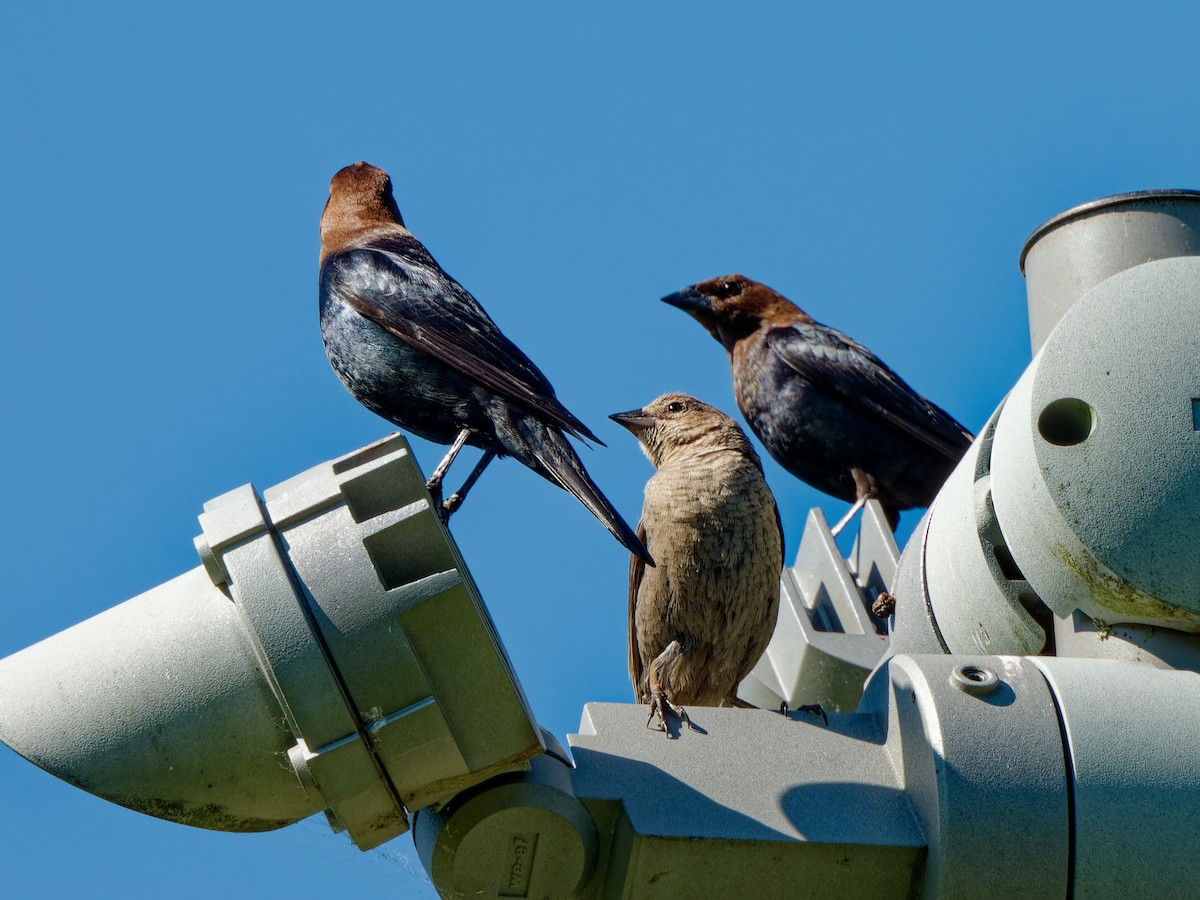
(636, 420)
(698, 306)
(691, 301)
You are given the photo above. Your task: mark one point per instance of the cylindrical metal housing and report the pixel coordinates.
(1080, 492)
(157, 704)
(1068, 255)
(331, 653)
(1096, 457)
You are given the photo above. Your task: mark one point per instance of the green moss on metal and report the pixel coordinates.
(207, 815)
(1113, 592)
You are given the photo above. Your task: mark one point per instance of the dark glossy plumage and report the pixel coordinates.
(412, 345)
(825, 407)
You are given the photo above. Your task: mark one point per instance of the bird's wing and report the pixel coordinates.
(394, 282)
(856, 377)
(637, 568)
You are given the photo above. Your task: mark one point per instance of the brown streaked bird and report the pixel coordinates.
(826, 408)
(413, 346)
(701, 619)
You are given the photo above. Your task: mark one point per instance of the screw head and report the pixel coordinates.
(973, 679)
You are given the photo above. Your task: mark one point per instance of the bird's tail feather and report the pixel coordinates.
(548, 452)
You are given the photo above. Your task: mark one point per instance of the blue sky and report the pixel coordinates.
(164, 171)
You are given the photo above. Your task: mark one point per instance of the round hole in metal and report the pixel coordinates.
(1067, 422)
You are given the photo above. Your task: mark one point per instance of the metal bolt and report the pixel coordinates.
(977, 680)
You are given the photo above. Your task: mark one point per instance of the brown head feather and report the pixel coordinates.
(360, 204)
(736, 296)
(678, 425)
(740, 306)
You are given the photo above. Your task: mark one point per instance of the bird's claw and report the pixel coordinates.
(659, 705)
(813, 709)
(447, 509)
(444, 509)
(434, 486)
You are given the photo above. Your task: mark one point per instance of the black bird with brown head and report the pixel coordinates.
(412, 345)
(825, 407)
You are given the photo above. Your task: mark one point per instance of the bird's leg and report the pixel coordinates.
(434, 484)
(848, 517)
(865, 489)
(659, 704)
(460, 495)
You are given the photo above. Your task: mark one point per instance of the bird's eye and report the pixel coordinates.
(730, 288)
(675, 406)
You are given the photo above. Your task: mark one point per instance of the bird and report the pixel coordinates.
(413, 346)
(701, 619)
(825, 407)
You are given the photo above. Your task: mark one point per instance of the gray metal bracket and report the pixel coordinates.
(826, 639)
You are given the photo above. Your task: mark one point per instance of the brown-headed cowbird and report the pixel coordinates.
(700, 621)
(825, 407)
(417, 349)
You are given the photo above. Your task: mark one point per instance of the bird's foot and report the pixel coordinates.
(434, 486)
(442, 509)
(884, 605)
(660, 706)
(813, 709)
(447, 509)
